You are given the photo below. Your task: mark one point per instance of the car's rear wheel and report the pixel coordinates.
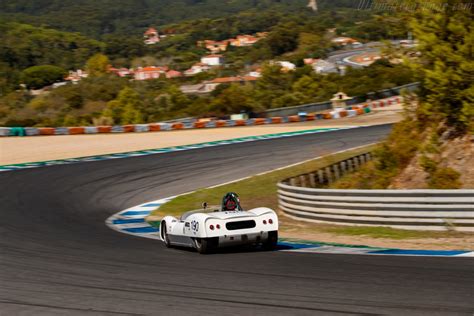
(272, 241)
(206, 245)
(164, 235)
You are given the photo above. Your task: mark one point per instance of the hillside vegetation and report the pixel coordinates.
(102, 98)
(23, 46)
(433, 147)
(96, 18)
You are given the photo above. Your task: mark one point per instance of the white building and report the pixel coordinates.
(286, 66)
(196, 69)
(213, 60)
(151, 36)
(151, 72)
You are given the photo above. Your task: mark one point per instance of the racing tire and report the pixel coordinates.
(164, 235)
(206, 245)
(272, 241)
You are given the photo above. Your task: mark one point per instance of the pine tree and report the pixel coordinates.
(446, 39)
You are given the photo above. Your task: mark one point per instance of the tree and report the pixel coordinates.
(446, 37)
(307, 88)
(125, 109)
(283, 39)
(234, 99)
(40, 76)
(97, 65)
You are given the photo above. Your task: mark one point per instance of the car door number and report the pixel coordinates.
(195, 226)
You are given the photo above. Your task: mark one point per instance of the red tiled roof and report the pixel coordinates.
(151, 30)
(152, 69)
(174, 73)
(250, 78)
(212, 56)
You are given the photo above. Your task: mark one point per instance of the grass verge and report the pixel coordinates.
(260, 190)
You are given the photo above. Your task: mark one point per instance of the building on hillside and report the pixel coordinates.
(148, 73)
(213, 60)
(151, 36)
(173, 74)
(286, 66)
(196, 69)
(239, 41)
(244, 40)
(343, 41)
(121, 72)
(321, 66)
(214, 46)
(76, 76)
(256, 73)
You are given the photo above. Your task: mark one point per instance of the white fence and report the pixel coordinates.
(403, 209)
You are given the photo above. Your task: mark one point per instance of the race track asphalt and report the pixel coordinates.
(57, 257)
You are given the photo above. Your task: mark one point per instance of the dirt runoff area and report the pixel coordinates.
(14, 150)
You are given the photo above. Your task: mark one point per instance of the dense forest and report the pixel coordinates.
(96, 18)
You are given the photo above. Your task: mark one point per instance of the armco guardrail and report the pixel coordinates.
(403, 209)
(330, 173)
(322, 106)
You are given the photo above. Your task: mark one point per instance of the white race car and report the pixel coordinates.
(212, 227)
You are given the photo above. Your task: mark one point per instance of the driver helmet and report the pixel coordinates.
(231, 202)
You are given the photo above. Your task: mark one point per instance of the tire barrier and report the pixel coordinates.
(300, 199)
(350, 111)
(5, 131)
(91, 130)
(47, 131)
(329, 174)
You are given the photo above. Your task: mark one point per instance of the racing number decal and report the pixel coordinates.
(195, 226)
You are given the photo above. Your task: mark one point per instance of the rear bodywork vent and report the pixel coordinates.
(240, 225)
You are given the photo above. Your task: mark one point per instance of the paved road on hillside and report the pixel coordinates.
(57, 257)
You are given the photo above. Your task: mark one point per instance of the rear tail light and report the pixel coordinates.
(218, 226)
(264, 222)
(270, 221)
(211, 227)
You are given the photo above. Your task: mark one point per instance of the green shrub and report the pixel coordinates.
(428, 164)
(445, 178)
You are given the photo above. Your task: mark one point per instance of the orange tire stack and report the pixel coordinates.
(177, 126)
(199, 124)
(294, 119)
(46, 130)
(277, 120)
(128, 128)
(221, 123)
(240, 123)
(76, 130)
(104, 129)
(327, 116)
(154, 127)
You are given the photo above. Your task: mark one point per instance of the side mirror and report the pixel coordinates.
(204, 205)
